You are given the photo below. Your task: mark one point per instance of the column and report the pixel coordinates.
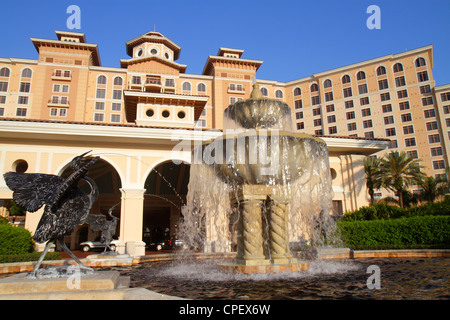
(131, 222)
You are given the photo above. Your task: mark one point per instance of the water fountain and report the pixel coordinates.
(259, 184)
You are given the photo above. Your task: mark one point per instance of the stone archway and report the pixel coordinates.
(166, 189)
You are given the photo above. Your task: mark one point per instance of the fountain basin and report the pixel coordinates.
(234, 267)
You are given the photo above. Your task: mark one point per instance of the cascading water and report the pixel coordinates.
(259, 187)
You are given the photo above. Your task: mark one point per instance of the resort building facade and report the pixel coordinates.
(138, 118)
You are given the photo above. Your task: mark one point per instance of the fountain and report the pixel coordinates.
(260, 185)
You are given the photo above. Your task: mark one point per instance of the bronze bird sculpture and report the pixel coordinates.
(66, 205)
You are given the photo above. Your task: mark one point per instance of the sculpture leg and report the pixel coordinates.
(70, 253)
(33, 274)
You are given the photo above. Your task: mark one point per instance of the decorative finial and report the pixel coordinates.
(256, 92)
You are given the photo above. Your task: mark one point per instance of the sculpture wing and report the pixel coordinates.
(96, 221)
(32, 190)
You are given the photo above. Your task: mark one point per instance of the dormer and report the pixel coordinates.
(230, 53)
(70, 36)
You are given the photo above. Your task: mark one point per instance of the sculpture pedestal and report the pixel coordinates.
(268, 268)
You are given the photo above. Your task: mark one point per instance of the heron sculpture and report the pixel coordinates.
(66, 205)
(98, 222)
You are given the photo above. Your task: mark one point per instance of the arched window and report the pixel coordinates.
(4, 72)
(279, 94)
(264, 92)
(381, 70)
(361, 75)
(297, 92)
(346, 79)
(186, 86)
(420, 62)
(201, 87)
(118, 81)
(27, 73)
(327, 84)
(314, 87)
(398, 67)
(101, 80)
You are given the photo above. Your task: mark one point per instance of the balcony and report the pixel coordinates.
(153, 85)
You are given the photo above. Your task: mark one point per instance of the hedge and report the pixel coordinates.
(384, 211)
(15, 240)
(34, 256)
(413, 231)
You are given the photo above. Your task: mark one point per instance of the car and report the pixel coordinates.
(89, 245)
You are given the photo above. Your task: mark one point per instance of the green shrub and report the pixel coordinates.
(15, 240)
(419, 230)
(34, 256)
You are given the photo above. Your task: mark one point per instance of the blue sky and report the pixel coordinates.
(294, 38)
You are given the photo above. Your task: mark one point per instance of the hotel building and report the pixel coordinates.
(135, 116)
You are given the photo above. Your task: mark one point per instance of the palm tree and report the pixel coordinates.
(373, 176)
(399, 171)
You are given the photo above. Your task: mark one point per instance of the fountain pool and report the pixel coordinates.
(409, 278)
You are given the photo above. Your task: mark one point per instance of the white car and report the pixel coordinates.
(89, 245)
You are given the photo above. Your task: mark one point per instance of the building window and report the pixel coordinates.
(402, 94)
(4, 72)
(116, 106)
(381, 70)
(317, 122)
(330, 108)
(327, 84)
(332, 130)
(299, 115)
(427, 101)
(136, 80)
(115, 118)
(101, 94)
(390, 132)
(425, 89)
(366, 112)
(346, 79)
(436, 151)
(383, 84)
(22, 100)
(403, 105)
(430, 113)
(385, 96)
(2, 99)
(386, 108)
(446, 109)
(350, 115)
(314, 87)
(2, 112)
(264, 92)
(410, 142)
(316, 112)
(329, 96)
(408, 129)
(101, 80)
(433, 125)
(3, 86)
(99, 106)
(364, 101)
(331, 119)
(21, 112)
(99, 117)
(393, 144)
(413, 154)
(58, 112)
(351, 126)
(361, 75)
(406, 117)
(347, 92)
(318, 132)
(389, 120)
(315, 100)
(170, 83)
(279, 94)
(398, 67)
(445, 96)
(187, 86)
(298, 104)
(369, 135)
(400, 81)
(422, 76)
(300, 126)
(297, 92)
(434, 138)
(349, 104)
(362, 88)
(367, 124)
(438, 164)
(118, 81)
(420, 62)
(24, 87)
(117, 94)
(201, 87)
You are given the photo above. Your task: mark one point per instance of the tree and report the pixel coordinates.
(399, 171)
(373, 176)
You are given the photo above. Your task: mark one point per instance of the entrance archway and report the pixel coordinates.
(109, 184)
(166, 189)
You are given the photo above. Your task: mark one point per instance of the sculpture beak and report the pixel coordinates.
(82, 156)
